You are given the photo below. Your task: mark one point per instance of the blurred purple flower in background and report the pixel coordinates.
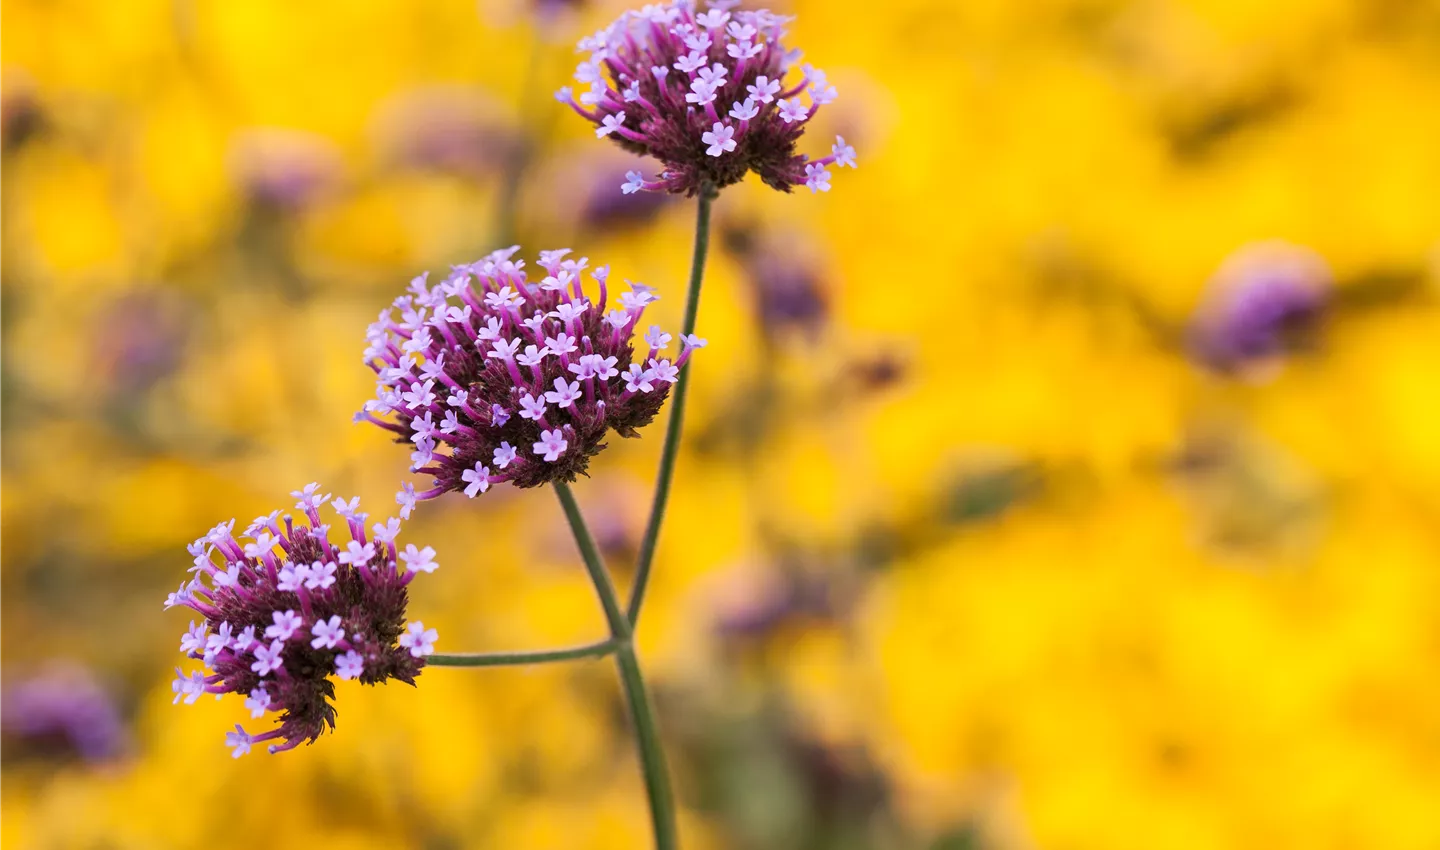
(1267, 300)
(608, 210)
(61, 711)
(786, 281)
(754, 607)
(285, 170)
(552, 18)
(456, 129)
(139, 340)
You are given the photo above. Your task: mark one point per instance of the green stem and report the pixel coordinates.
(642, 715)
(506, 659)
(671, 450)
(652, 752)
(599, 576)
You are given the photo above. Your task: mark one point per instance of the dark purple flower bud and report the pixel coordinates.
(494, 378)
(284, 169)
(1267, 300)
(61, 710)
(706, 95)
(282, 613)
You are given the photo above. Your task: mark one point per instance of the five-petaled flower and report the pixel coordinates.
(419, 640)
(548, 364)
(551, 444)
(662, 80)
(281, 621)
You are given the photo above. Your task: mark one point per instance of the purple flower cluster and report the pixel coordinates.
(1267, 300)
(705, 94)
(494, 378)
(277, 623)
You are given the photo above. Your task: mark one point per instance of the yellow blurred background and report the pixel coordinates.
(966, 550)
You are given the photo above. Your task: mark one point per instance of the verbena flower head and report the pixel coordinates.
(706, 94)
(284, 613)
(492, 377)
(1267, 300)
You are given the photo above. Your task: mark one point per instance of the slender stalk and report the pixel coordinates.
(642, 715)
(506, 659)
(652, 752)
(671, 450)
(599, 576)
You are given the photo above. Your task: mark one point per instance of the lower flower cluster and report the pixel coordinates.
(286, 610)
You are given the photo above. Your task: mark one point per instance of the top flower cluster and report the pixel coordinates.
(704, 94)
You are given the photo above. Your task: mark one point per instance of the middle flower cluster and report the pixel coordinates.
(493, 378)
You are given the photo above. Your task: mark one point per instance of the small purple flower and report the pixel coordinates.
(319, 575)
(319, 609)
(349, 665)
(419, 640)
(551, 444)
(258, 702)
(238, 741)
(268, 659)
(194, 638)
(720, 138)
(406, 499)
(659, 80)
(664, 370)
(639, 380)
(188, 686)
(328, 633)
(817, 178)
(1267, 300)
(564, 393)
(543, 348)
